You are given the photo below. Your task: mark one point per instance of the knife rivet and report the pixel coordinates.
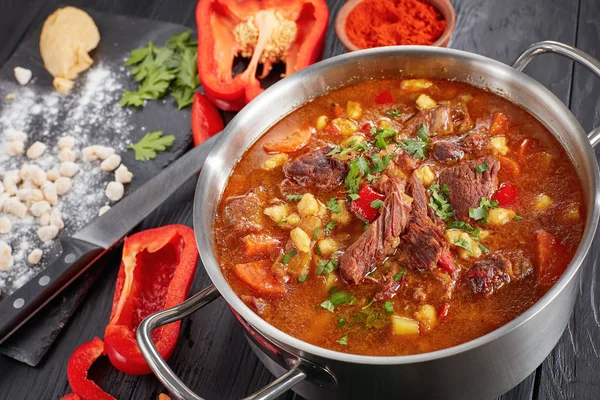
(44, 280)
(20, 302)
(69, 258)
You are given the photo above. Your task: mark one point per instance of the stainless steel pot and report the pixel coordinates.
(482, 368)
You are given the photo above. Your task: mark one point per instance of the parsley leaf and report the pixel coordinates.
(328, 305)
(150, 144)
(393, 113)
(399, 275)
(294, 197)
(518, 218)
(353, 196)
(316, 233)
(333, 205)
(383, 137)
(388, 307)
(343, 340)
(341, 322)
(481, 167)
(329, 227)
(339, 298)
(464, 226)
(302, 278)
(136, 56)
(183, 95)
(481, 213)
(188, 69)
(484, 249)
(286, 258)
(439, 202)
(376, 204)
(181, 41)
(462, 242)
(380, 163)
(417, 147)
(325, 267)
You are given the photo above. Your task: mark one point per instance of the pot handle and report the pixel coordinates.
(570, 52)
(166, 375)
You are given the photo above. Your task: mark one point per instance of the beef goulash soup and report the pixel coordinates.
(398, 217)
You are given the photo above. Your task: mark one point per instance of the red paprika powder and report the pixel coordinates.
(375, 23)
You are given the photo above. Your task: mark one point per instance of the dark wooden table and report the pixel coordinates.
(212, 355)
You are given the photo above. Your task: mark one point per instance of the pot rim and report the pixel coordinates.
(212, 267)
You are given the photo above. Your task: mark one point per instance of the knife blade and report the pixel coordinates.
(84, 247)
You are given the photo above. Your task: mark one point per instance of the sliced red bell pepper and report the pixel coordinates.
(446, 262)
(77, 372)
(506, 195)
(70, 396)
(385, 97)
(206, 120)
(362, 206)
(553, 258)
(157, 270)
(266, 31)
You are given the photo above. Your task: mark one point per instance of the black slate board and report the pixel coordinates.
(119, 35)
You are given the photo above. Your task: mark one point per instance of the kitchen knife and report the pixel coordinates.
(87, 245)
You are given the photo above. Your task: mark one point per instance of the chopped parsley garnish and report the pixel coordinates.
(282, 222)
(464, 226)
(383, 137)
(439, 201)
(356, 169)
(399, 275)
(353, 196)
(481, 213)
(393, 113)
(329, 227)
(462, 242)
(388, 307)
(417, 147)
(328, 305)
(316, 233)
(333, 205)
(302, 278)
(325, 267)
(518, 218)
(481, 167)
(484, 249)
(286, 258)
(343, 340)
(376, 204)
(294, 197)
(380, 163)
(341, 322)
(368, 304)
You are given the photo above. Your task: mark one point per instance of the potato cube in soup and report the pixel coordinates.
(300, 239)
(308, 205)
(427, 315)
(345, 125)
(327, 246)
(425, 175)
(321, 122)
(572, 213)
(343, 217)
(542, 202)
(425, 102)
(416, 84)
(277, 212)
(353, 110)
(275, 161)
(402, 326)
(499, 145)
(500, 216)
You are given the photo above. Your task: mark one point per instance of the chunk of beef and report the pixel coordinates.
(389, 289)
(381, 237)
(423, 241)
(460, 117)
(244, 214)
(488, 275)
(438, 120)
(447, 152)
(476, 144)
(288, 186)
(467, 186)
(316, 169)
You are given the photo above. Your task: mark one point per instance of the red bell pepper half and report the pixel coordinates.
(157, 270)
(267, 32)
(362, 206)
(206, 120)
(70, 396)
(77, 372)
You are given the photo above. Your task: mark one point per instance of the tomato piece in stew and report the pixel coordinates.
(399, 217)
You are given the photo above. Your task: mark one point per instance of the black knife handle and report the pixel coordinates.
(21, 305)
